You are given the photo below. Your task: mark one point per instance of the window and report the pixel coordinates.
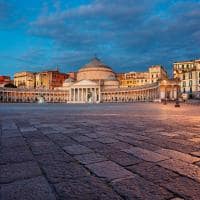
(190, 89)
(183, 90)
(182, 66)
(152, 75)
(184, 84)
(190, 75)
(183, 76)
(190, 83)
(199, 74)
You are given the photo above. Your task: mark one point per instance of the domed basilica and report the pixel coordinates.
(91, 79)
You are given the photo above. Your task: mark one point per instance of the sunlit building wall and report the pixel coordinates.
(24, 79)
(188, 74)
(135, 79)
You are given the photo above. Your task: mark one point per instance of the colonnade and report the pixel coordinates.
(130, 95)
(16, 95)
(84, 95)
(93, 94)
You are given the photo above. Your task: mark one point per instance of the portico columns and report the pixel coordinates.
(78, 92)
(85, 94)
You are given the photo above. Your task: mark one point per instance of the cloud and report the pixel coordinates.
(126, 34)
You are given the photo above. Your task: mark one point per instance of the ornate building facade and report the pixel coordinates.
(94, 83)
(24, 80)
(188, 75)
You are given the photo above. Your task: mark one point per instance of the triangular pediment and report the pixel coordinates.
(85, 83)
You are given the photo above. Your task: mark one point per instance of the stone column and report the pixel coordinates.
(78, 93)
(70, 95)
(73, 95)
(86, 93)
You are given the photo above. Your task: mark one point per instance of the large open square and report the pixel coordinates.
(99, 151)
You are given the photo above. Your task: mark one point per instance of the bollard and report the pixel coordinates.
(177, 104)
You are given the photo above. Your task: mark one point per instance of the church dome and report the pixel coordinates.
(95, 70)
(95, 62)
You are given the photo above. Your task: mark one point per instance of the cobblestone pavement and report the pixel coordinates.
(106, 151)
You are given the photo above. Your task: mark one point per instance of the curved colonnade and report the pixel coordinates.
(145, 93)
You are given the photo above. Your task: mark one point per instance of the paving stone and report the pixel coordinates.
(183, 168)
(141, 144)
(8, 125)
(90, 158)
(10, 133)
(123, 158)
(169, 134)
(153, 172)
(195, 153)
(95, 135)
(109, 170)
(25, 129)
(31, 189)
(16, 154)
(106, 140)
(178, 155)
(145, 154)
(60, 171)
(77, 149)
(196, 139)
(51, 158)
(82, 138)
(13, 142)
(119, 145)
(184, 187)
(93, 145)
(43, 147)
(62, 140)
(136, 187)
(85, 188)
(17, 171)
(31, 135)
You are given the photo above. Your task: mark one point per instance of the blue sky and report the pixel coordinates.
(128, 35)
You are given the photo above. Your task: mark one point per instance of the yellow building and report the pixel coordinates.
(134, 79)
(156, 73)
(24, 79)
(188, 74)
